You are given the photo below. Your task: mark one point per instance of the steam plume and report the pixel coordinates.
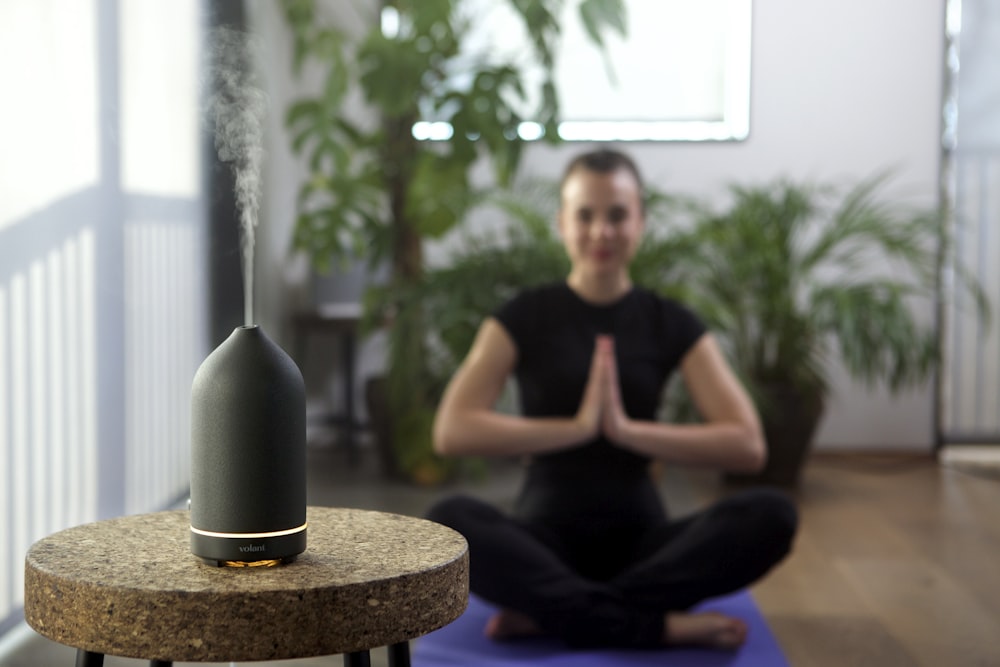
(237, 107)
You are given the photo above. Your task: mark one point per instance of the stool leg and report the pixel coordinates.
(161, 663)
(399, 655)
(358, 659)
(88, 659)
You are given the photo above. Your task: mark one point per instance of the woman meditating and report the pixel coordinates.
(590, 554)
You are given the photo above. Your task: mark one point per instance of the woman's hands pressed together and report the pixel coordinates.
(728, 438)
(601, 411)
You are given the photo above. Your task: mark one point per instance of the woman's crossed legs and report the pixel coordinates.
(523, 568)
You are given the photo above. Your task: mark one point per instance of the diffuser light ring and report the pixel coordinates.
(250, 536)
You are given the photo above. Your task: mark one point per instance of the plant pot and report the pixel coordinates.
(379, 415)
(789, 424)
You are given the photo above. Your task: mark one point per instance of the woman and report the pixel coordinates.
(590, 555)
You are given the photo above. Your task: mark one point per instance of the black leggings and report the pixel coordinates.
(522, 566)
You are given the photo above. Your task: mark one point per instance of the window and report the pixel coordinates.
(682, 73)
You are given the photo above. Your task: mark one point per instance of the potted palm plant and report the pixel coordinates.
(793, 276)
(376, 192)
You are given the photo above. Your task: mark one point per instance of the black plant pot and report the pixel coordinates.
(380, 418)
(394, 434)
(790, 422)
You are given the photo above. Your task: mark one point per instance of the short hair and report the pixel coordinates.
(605, 161)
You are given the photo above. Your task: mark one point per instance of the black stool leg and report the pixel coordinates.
(358, 659)
(88, 659)
(399, 655)
(161, 663)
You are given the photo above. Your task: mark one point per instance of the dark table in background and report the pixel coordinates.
(341, 321)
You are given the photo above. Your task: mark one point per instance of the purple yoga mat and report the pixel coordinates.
(462, 644)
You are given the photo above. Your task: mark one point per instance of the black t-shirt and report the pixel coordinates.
(554, 331)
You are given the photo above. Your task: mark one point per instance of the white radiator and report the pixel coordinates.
(971, 378)
(164, 345)
(48, 447)
(51, 462)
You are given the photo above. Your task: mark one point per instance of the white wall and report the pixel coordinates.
(840, 89)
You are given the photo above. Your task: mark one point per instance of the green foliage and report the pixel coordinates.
(375, 191)
(790, 273)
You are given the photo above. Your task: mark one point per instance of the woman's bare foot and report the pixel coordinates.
(708, 628)
(508, 624)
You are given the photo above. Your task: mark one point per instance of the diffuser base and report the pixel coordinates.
(216, 550)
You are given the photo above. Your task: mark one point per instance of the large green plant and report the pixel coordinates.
(791, 273)
(376, 192)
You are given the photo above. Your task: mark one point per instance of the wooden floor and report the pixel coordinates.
(897, 563)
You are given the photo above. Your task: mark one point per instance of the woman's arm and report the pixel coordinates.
(467, 424)
(730, 437)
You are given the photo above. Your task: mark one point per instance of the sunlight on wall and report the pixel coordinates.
(160, 141)
(77, 253)
(50, 146)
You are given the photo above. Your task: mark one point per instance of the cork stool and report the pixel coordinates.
(131, 587)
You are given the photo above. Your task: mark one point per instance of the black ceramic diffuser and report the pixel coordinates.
(248, 454)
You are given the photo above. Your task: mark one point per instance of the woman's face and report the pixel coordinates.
(601, 220)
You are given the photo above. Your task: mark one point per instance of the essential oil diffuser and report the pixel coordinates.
(248, 454)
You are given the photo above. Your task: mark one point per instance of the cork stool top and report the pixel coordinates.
(131, 587)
